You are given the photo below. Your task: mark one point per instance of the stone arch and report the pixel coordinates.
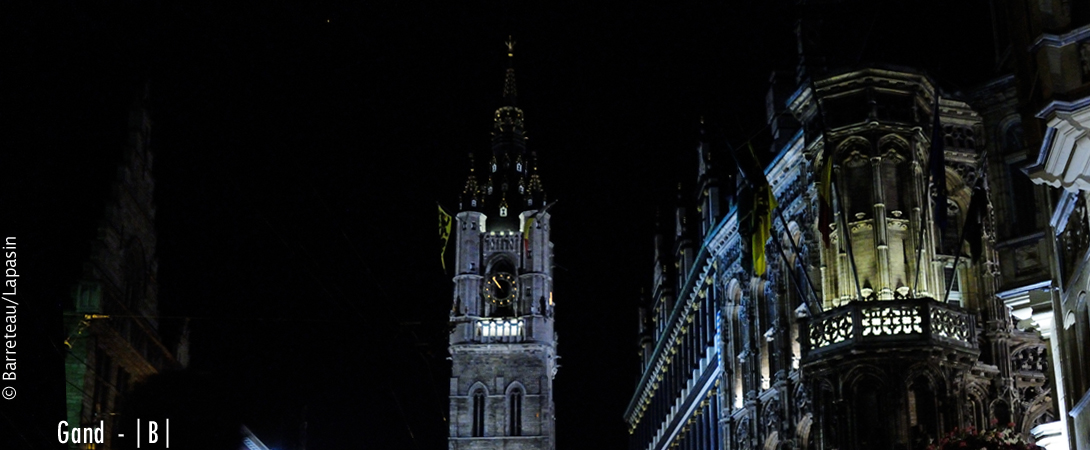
(501, 261)
(733, 348)
(933, 375)
(973, 411)
(854, 177)
(851, 143)
(513, 407)
(1010, 134)
(478, 409)
(478, 386)
(802, 431)
(1000, 411)
(924, 388)
(898, 188)
(866, 387)
(793, 233)
(1036, 409)
(853, 376)
(893, 142)
(734, 291)
(772, 441)
(514, 385)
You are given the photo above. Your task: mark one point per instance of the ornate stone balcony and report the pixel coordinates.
(881, 326)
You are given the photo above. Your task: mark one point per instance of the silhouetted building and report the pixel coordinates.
(112, 324)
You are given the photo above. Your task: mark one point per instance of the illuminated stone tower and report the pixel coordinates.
(502, 344)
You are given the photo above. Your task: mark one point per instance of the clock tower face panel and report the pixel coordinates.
(501, 288)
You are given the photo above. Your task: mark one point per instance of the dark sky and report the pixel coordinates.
(301, 148)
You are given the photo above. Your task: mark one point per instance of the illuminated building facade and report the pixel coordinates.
(502, 343)
(885, 329)
(1051, 42)
(112, 326)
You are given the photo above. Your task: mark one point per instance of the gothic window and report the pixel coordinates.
(895, 176)
(478, 413)
(872, 430)
(1013, 138)
(514, 413)
(856, 186)
(959, 137)
(922, 409)
(974, 411)
(1001, 411)
(825, 403)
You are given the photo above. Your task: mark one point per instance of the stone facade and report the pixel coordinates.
(1051, 54)
(877, 354)
(502, 343)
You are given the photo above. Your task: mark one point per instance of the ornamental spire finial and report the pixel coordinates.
(509, 91)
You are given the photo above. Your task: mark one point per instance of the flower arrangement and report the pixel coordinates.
(970, 438)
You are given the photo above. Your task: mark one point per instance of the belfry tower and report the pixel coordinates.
(502, 344)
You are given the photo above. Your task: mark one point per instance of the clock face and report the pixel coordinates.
(501, 288)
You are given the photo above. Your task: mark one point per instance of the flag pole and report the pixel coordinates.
(798, 258)
(776, 240)
(847, 235)
(961, 233)
(919, 249)
(935, 152)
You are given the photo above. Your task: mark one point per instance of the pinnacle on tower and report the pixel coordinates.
(511, 184)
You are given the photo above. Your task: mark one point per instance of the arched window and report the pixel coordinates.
(857, 188)
(478, 413)
(896, 189)
(1013, 138)
(871, 430)
(922, 409)
(514, 413)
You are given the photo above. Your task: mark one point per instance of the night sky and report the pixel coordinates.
(300, 150)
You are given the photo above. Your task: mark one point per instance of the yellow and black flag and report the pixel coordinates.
(526, 233)
(444, 235)
(973, 230)
(762, 205)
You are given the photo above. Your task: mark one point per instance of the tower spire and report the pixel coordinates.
(509, 90)
(470, 199)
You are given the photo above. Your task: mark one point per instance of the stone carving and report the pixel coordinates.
(1030, 359)
(741, 433)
